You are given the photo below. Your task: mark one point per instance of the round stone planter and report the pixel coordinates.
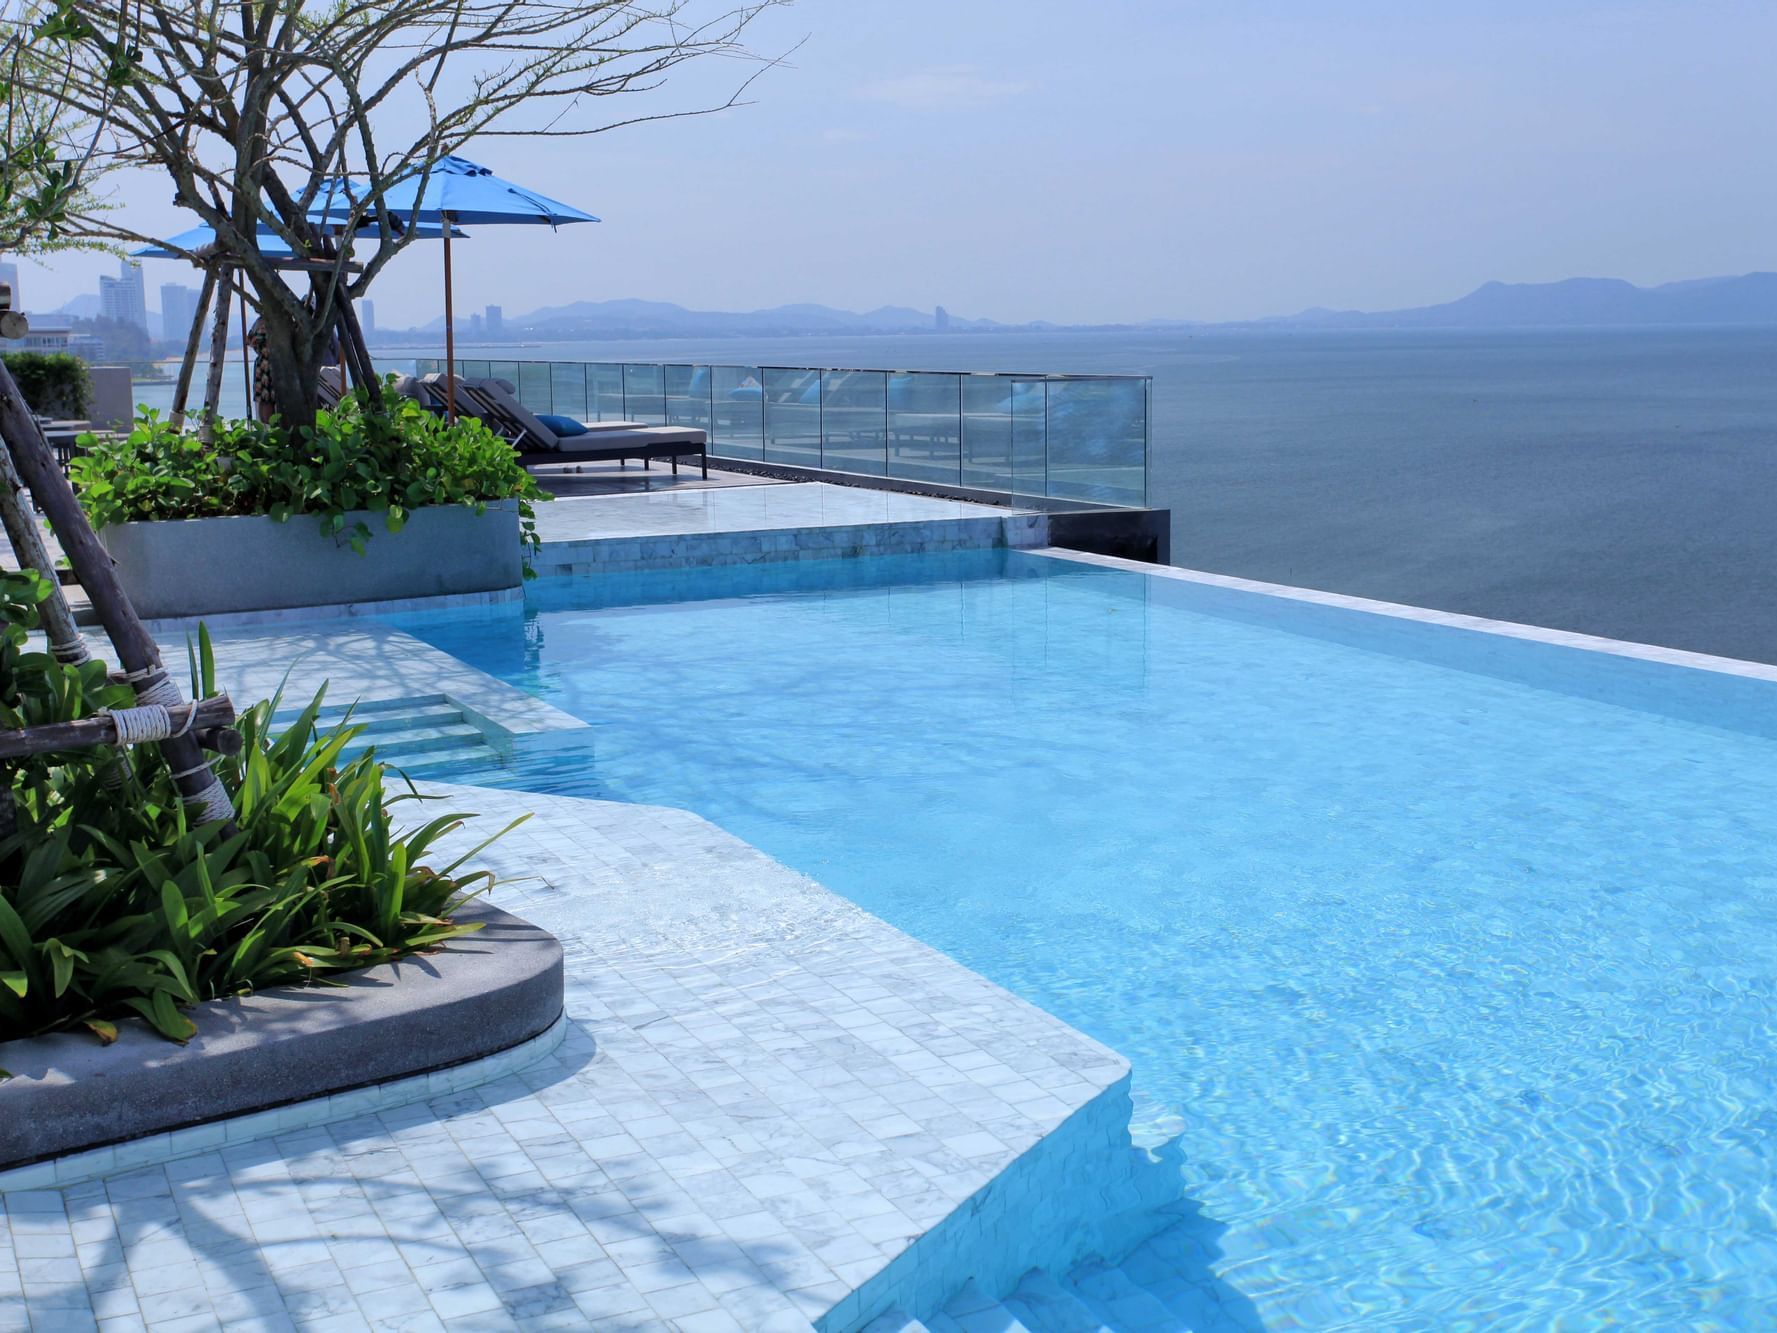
(209, 566)
(481, 994)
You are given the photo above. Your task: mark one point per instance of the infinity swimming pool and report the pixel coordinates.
(1451, 959)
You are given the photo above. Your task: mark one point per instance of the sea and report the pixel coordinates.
(1620, 482)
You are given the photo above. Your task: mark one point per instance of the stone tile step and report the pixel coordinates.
(971, 1311)
(1046, 1306)
(332, 713)
(378, 724)
(411, 740)
(895, 1321)
(1110, 1294)
(450, 761)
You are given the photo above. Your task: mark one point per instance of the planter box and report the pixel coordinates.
(483, 993)
(207, 566)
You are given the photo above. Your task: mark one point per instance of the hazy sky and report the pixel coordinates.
(1112, 160)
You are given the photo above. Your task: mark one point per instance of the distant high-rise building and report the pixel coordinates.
(496, 321)
(474, 326)
(941, 320)
(9, 274)
(178, 311)
(122, 298)
(367, 317)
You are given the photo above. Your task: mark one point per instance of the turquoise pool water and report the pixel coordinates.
(1451, 959)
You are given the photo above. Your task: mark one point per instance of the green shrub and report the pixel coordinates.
(55, 384)
(390, 458)
(112, 903)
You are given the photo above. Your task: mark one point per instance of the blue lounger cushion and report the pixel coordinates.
(566, 427)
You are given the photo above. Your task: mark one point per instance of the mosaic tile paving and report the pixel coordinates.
(763, 1098)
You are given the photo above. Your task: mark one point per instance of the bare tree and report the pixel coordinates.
(52, 160)
(254, 108)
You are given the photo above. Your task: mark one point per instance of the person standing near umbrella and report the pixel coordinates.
(264, 403)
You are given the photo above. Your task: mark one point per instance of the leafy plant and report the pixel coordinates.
(376, 451)
(55, 384)
(113, 903)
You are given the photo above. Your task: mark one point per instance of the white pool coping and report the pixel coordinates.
(1645, 652)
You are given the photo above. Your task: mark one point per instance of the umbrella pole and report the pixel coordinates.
(450, 333)
(193, 340)
(246, 358)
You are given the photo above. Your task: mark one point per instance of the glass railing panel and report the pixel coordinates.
(1097, 440)
(792, 415)
(987, 432)
(1064, 437)
(426, 365)
(687, 396)
(604, 391)
(567, 389)
(854, 425)
(737, 412)
(536, 388)
(925, 424)
(1028, 404)
(644, 394)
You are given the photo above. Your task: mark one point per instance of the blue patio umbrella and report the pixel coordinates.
(455, 190)
(270, 243)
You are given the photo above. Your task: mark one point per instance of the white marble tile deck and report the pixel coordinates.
(763, 1097)
(743, 509)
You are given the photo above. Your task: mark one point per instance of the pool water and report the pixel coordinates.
(1451, 959)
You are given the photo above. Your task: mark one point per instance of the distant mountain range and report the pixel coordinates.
(661, 319)
(1748, 299)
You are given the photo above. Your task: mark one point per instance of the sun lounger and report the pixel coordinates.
(603, 441)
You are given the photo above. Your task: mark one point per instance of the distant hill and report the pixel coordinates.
(640, 319)
(81, 307)
(1748, 299)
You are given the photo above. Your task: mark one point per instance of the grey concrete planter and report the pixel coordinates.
(484, 993)
(208, 566)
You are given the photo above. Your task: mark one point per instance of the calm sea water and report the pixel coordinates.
(1622, 483)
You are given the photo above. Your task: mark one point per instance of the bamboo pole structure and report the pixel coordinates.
(66, 642)
(193, 337)
(208, 719)
(136, 651)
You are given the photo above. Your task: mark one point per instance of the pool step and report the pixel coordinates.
(1110, 1293)
(1046, 1306)
(895, 1321)
(419, 735)
(970, 1311)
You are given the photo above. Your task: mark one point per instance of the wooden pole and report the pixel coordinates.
(193, 338)
(218, 355)
(354, 341)
(246, 361)
(66, 642)
(136, 651)
(450, 334)
(212, 718)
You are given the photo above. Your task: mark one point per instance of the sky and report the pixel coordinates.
(1118, 161)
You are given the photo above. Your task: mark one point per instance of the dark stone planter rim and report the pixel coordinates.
(486, 992)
